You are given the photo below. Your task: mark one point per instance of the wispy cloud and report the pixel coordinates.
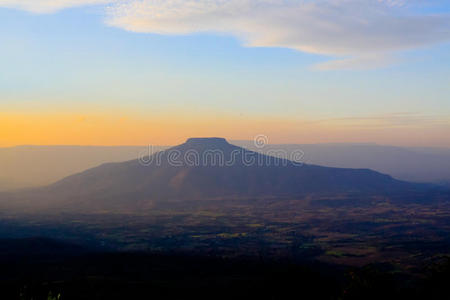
(358, 34)
(359, 62)
(392, 120)
(48, 6)
(363, 32)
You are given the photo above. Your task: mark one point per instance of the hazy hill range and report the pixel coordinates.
(200, 169)
(410, 164)
(32, 166)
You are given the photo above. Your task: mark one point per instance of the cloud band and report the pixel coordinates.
(357, 33)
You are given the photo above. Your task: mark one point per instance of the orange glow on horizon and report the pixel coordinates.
(170, 129)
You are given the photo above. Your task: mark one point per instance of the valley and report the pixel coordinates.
(324, 229)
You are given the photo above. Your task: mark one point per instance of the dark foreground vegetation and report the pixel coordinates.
(340, 247)
(46, 269)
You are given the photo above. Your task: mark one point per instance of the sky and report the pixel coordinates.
(138, 72)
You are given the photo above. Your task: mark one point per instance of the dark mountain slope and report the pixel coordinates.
(200, 169)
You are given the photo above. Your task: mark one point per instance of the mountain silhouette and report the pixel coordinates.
(200, 169)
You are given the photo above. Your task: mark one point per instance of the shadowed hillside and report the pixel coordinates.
(197, 170)
(32, 166)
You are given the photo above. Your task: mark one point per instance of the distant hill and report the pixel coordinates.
(199, 169)
(33, 166)
(430, 165)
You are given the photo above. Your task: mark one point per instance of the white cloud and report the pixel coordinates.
(47, 6)
(362, 31)
(360, 62)
(360, 34)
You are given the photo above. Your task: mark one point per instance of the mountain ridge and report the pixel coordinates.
(197, 170)
(35, 166)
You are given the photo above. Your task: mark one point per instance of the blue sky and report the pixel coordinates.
(66, 58)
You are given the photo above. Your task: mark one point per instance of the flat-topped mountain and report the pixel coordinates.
(199, 169)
